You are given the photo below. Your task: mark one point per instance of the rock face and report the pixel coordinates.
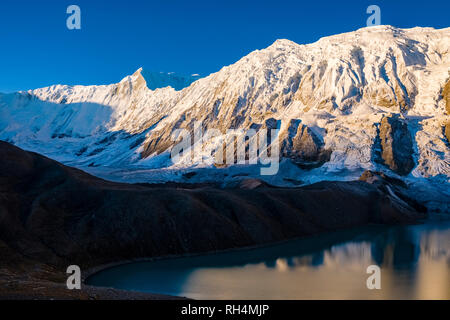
(396, 145)
(300, 144)
(446, 96)
(53, 214)
(447, 131)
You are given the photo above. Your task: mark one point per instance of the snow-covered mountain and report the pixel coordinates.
(375, 98)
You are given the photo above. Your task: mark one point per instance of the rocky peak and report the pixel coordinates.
(396, 145)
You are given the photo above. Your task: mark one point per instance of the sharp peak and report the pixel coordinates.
(280, 43)
(136, 80)
(138, 72)
(136, 75)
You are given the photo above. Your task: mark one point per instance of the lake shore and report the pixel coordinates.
(324, 266)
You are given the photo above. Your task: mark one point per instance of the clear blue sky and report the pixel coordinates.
(186, 37)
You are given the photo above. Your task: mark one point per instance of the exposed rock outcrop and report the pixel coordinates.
(302, 146)
(446, 96)
(396, 145)
(300, 142)
(447, 131)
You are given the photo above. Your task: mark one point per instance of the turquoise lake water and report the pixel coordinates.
(414, 262)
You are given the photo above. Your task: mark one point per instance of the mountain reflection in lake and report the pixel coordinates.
(414, 261)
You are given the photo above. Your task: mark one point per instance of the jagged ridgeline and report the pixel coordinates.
(370, 99)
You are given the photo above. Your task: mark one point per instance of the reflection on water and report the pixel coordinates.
(414, 261)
